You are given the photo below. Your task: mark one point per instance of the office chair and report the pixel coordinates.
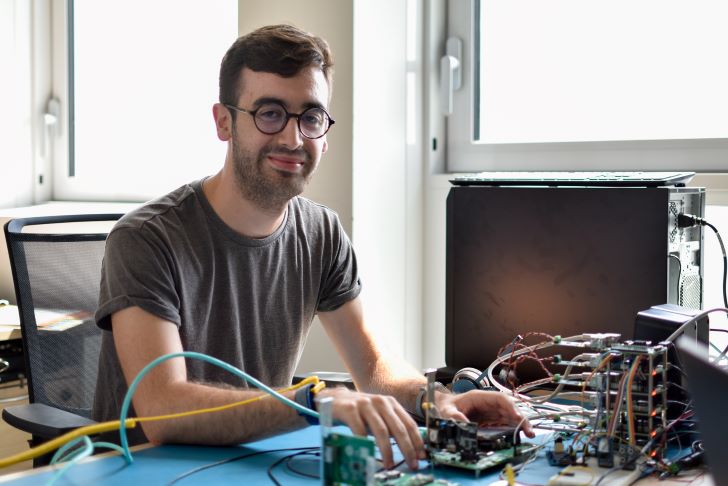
(57, 271)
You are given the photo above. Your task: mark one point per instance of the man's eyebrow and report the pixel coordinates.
(270, 99)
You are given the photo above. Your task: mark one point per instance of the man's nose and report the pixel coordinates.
(291, 136)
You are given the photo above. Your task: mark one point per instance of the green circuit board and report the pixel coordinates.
(484, 460)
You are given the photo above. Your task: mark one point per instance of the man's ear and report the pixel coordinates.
(325, 147)
(223, 121)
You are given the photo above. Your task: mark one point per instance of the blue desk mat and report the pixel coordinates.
(163, 464)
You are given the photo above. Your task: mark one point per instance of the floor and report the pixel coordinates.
(12, 441)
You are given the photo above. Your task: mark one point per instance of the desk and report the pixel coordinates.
(160, 465)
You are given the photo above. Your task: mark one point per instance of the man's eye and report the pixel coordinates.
(313, 117)
(270, 114)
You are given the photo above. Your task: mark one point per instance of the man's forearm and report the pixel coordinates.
(240, 424)
(398, 379)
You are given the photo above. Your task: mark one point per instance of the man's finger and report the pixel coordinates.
(405, 432)
(378, 428)
(414, 432)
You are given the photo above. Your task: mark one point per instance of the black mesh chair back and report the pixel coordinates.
(57, 270)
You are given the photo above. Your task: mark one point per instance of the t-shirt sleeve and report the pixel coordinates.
(342, 282)
(137, 271)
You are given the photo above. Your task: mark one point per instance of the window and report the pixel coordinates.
(573, 85)
(138, 91)
(16, 102)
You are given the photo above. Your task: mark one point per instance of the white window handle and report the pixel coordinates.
(450, 73)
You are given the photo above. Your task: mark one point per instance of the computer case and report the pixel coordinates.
(563, 261)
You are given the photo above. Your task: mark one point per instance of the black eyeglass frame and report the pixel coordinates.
(289, 115)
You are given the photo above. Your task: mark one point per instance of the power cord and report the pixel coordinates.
(688, 221)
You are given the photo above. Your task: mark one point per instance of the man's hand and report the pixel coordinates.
(381, 416)
(483, 407)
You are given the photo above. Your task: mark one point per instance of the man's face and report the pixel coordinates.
(271, 169)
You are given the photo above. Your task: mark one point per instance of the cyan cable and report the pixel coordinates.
(68, 453)
(85, 451)
(191, 354)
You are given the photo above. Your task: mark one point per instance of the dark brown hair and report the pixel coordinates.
(280, 49)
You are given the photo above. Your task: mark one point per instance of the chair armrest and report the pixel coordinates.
(43, 421)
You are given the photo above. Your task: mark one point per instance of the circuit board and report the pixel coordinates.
(591, 474)
(399, 478)
(484, 460)
(348, 459)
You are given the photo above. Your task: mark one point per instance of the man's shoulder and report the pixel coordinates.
(163, 210)
(312, 209)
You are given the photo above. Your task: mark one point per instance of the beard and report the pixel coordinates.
(267, 188)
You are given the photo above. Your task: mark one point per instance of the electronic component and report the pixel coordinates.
(399, 478)
(465, 445)
(559, 455)
(605, 454)
(482, 460)
(590, 474)
(348, 459)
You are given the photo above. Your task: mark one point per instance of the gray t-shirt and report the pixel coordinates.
(248, 302)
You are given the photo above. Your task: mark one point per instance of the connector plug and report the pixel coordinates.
(689, 220)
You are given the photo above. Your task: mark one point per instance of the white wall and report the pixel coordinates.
(387, 179)
(332, 183)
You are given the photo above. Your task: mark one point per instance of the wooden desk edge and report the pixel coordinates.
(56, 467)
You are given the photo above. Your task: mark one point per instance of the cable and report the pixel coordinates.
(52, 445)
(279, 461)
(82, 452)
(693, 320)
(725, 262)
(305, 474)
(524, 350)
(233, 459)
(191, 354)
(679, 272)
(690, 220)
(630, 406)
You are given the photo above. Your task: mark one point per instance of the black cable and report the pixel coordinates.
(611, 471)
(395, 466)
(690, 220)
(682, 372)
(672, 383)
(236, 458)
(310, 451)
(290, 467)
(685, 405)
(282, 459)
(725, 263)
(679, 273)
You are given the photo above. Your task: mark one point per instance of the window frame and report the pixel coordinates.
(464, 154)
(61, 88)
(67, 184)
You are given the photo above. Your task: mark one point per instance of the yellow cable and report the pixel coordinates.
(304, 382)
(510, 476)
(54, 444)
(586, 469)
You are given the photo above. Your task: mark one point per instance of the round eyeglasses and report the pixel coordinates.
(271, 118)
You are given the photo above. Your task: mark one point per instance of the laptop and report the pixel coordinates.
(708, 387)
(573, 178)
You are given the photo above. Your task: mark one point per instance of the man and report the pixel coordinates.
(237, 265)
